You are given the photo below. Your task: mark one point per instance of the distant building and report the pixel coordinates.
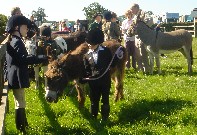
(170, 17)
(194, 13)
(186, 18)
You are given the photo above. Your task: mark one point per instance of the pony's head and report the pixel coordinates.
(57, 80)
(136, 20)
(65, 69)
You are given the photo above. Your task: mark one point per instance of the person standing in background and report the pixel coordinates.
(141, 53)
(129, 41)
(114, 31)
(97, 22)
(16, 11)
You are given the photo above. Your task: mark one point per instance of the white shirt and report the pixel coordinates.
(93, 55)
(125, 26)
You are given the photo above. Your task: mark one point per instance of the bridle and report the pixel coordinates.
(59, 71)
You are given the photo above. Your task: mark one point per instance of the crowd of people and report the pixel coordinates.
(104, 27)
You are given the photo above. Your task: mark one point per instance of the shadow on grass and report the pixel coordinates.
(48, 111)
(176, 70)
(55, 127)
(151, 110)
(85, 112)
(94, 123)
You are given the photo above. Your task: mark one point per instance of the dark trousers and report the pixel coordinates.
(130, 47)
(96, 91)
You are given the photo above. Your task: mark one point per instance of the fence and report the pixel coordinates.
(2, 59)
(3, 91)
(190, 29)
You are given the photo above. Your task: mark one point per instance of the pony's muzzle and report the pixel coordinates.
(51, 96)
(49, 99)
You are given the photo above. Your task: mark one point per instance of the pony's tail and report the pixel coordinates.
(191, 56)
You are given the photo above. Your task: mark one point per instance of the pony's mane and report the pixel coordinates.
(73, 35)
(80, 49)
(145, 24)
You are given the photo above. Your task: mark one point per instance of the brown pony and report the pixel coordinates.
(70, 67)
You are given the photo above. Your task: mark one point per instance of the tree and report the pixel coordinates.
(3, 21)
(92, 9)
(39, 15)
(149, 13)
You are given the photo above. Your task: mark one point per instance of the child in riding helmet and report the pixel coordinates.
(47, 41)
(47, 46)
(96, 62)
(17, 66)
(97, 22)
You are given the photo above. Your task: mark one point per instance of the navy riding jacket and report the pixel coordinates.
(17, 63)
(104, 58)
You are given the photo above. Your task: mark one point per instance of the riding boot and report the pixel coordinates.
(94, 110)
(21, 120)
(105, 109)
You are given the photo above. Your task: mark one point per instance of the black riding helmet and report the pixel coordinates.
(45, 31)
(107, 15)
(95, 36)
(17, 20)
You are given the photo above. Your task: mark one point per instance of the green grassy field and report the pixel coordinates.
(155, 104)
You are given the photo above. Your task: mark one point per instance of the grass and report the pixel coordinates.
(155, 104)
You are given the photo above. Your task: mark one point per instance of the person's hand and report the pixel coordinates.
(45, 60)
(82, 81)
(50, 58)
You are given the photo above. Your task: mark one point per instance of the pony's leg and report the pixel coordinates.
(151, 57)
(45, 68)
(36, 70)
(116, 92)
(190, 61)
(118, 81)
(188, 56)
(138, 56)
(158, 62)
(81, 93)
(145, 59)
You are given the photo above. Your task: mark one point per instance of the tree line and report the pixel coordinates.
(39, 14)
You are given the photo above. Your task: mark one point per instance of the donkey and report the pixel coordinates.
(164, 42)
(71, 67)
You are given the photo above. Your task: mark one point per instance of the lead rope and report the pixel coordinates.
(119, 54)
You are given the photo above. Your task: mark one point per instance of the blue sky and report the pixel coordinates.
(72, 9)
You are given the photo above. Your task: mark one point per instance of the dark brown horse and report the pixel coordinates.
(70, 67)
(73, 40)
